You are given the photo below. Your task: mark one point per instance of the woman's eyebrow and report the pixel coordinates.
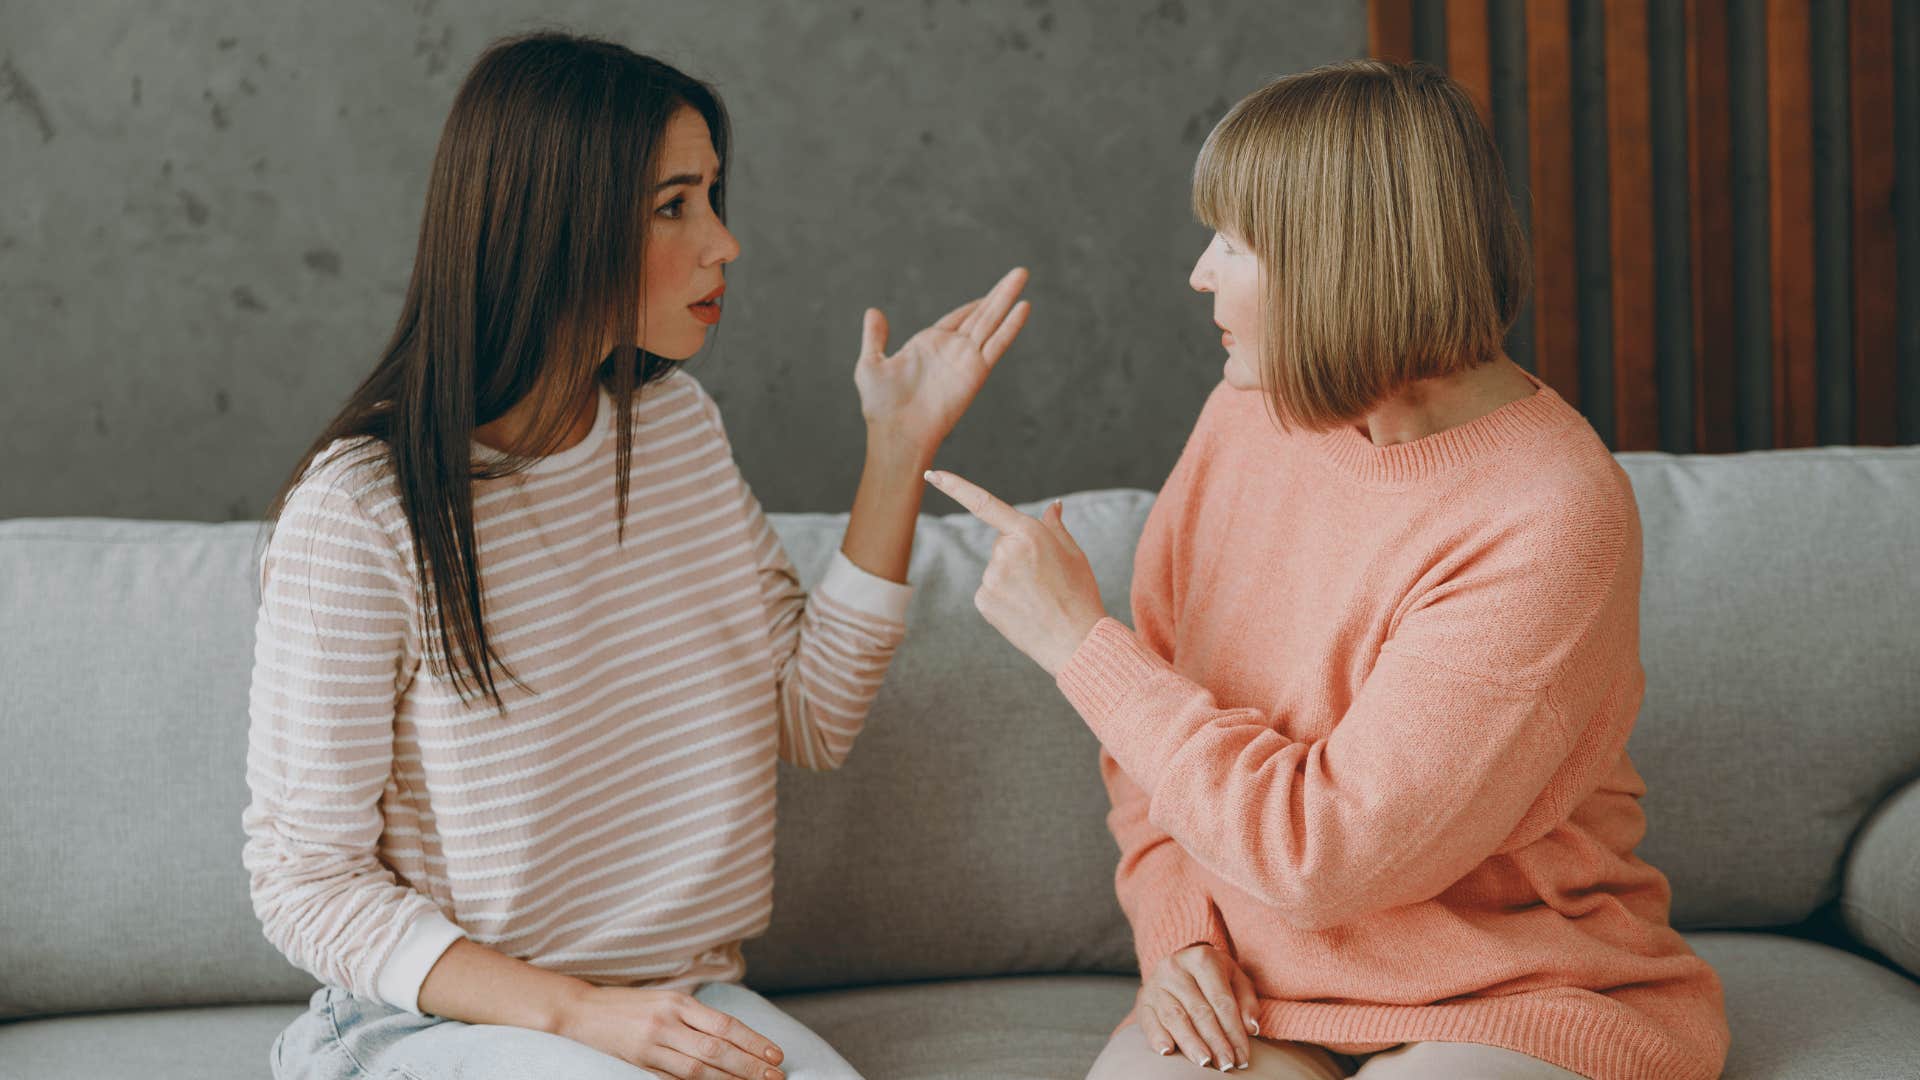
(679, 179)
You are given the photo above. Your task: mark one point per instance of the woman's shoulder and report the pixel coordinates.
(1568, 476)
(349, 486)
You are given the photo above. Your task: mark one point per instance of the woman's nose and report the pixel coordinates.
(725, 246)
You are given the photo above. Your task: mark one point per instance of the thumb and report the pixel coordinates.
(1050, 517)
(1054, 518)
(873, 336)
(1249, 1001)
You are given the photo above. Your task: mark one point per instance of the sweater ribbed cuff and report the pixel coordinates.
(1109, 679)
(869, 593)
(1108, 670)
(1188, 919)
(406, 969)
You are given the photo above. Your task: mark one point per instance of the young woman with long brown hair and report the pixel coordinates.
(528, 650)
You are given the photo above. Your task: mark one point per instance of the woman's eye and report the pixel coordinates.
(671, 209)
(1227, 244)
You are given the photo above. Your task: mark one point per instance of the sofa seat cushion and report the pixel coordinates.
(1799, 1010)
(1047, 1027)
(214, 1042)
(1037, 1027)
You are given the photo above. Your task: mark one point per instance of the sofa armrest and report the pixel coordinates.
(1880, 887)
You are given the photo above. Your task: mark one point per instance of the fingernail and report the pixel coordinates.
(1164, 1050)
(1253, 1026)
(929, 474)
(1203, 1062)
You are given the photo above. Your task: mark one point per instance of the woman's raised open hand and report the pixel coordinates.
(915, 396)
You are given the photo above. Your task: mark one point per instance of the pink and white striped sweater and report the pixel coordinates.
(616, 823)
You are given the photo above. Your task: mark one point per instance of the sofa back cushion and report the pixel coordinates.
(125, 653)
(1780, 632)
(965, 835)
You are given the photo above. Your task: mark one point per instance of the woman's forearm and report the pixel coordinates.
(473, 983)
(879, 536)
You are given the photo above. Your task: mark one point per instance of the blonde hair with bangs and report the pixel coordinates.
(1374, 198)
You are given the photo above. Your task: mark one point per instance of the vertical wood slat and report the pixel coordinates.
(1390, 29)
(1470, 53)
(1875, 314)
(1556, 311)
(1710, 210)
(1636, 389)
(1790, 218)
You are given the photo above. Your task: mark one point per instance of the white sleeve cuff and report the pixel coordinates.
(398, 983)
(862, 591)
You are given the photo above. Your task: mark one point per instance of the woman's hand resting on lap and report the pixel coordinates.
(1199, 1002)
(669, 1033)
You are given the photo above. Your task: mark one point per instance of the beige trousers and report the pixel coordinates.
(1128, 1057)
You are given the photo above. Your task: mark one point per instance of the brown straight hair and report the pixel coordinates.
(530, 254)
(1389, 250)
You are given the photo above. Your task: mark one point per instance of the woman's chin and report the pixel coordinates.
(681, 348)
(1237, 376)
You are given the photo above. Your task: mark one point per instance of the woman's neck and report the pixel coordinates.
(1434, 405)
(506, 431)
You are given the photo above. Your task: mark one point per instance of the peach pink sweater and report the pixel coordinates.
(1369, 733)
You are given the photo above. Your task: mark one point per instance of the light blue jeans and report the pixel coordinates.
(343, 1037)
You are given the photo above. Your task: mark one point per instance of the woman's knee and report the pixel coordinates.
(807, 1056)
(1128, 1057)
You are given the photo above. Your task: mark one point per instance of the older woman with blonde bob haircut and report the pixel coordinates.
(1366, 738)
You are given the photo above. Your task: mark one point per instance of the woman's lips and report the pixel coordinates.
(707, 308)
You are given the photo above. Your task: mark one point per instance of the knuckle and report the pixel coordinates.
(709, 1048)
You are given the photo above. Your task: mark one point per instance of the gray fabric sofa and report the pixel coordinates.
(944, 904)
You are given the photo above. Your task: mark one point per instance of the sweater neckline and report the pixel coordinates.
(572, 455)
(1354, 454)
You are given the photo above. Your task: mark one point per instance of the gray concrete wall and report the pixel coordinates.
(210, 213)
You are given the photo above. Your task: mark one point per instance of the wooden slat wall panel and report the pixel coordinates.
(1710, 208)
(1556, 310)
(1390, 29)
(1793, 373)
(1636, 389)
(1470, 52)
(1790, 221)
(1875, 316)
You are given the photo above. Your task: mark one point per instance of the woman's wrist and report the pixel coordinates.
(886, 506)
(896, 452)
(567, 1006)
